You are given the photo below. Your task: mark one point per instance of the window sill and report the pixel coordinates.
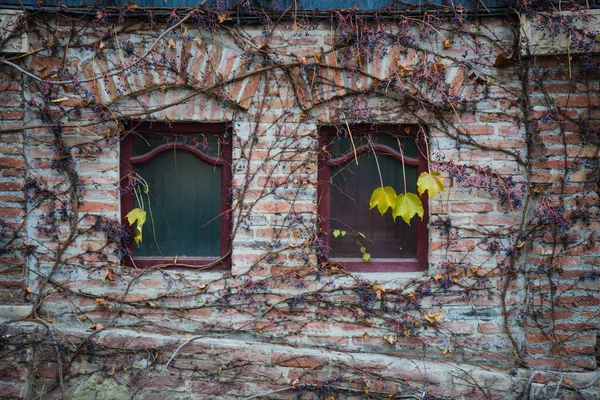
(378, 265)
(203, 264)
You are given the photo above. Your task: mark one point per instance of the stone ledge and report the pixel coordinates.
(538, 40)
(14, 311)
(9, 19)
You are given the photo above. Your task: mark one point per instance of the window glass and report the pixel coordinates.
(183, 207)
(351, 186)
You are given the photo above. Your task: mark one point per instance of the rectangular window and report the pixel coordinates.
(352, 165)
(180, 175)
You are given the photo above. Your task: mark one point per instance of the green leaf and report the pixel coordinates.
(407, 205)
(336, 233)
(343, 233)
(361, 235)
(383, 198)
(367, 257)
(137, 216)
(432, 182)
(362, 249)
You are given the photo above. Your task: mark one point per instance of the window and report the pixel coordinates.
(349, 171)
(180, 175)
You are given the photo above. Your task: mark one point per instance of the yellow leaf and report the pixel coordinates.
(101, 303)
(437, 277)
(383, 198)
(432, 318)
(137, 216)
(223, 17)
(378, 289)
(366, 335)
(171, 44)
(432, 182)
(448, 351)
(456, 277)
(407, 205)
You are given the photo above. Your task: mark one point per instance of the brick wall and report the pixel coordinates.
(246, 345)
(12, 185)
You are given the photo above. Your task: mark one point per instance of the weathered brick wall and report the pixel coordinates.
(565, 123)
(275, 114)
(12, 185)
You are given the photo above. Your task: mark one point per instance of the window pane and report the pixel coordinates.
(185, 200)
(351, 188)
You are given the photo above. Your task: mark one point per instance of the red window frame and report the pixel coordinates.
(323, 196)
(127, 162)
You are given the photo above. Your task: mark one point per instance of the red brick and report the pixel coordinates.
(577, 301)
(539, 337)
(89, 206)
(577, 101)
(10, 88)
(296, 361)
(478, 130)
(572, 350)
(11, 285)
(11, 115)
(8, 391)
(472, 207)
(496, 220)
(487, 327)
(11, 212)
(11, 186)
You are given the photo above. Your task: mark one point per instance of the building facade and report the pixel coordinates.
(203, 202)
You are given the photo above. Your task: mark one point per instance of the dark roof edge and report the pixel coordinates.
(254, 15)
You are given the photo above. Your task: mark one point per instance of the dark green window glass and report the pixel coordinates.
(184, 201)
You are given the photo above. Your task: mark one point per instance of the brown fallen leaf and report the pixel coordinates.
(438, 67)
(391, 340)
(59, 100)
(502, 60)
(110, 275)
